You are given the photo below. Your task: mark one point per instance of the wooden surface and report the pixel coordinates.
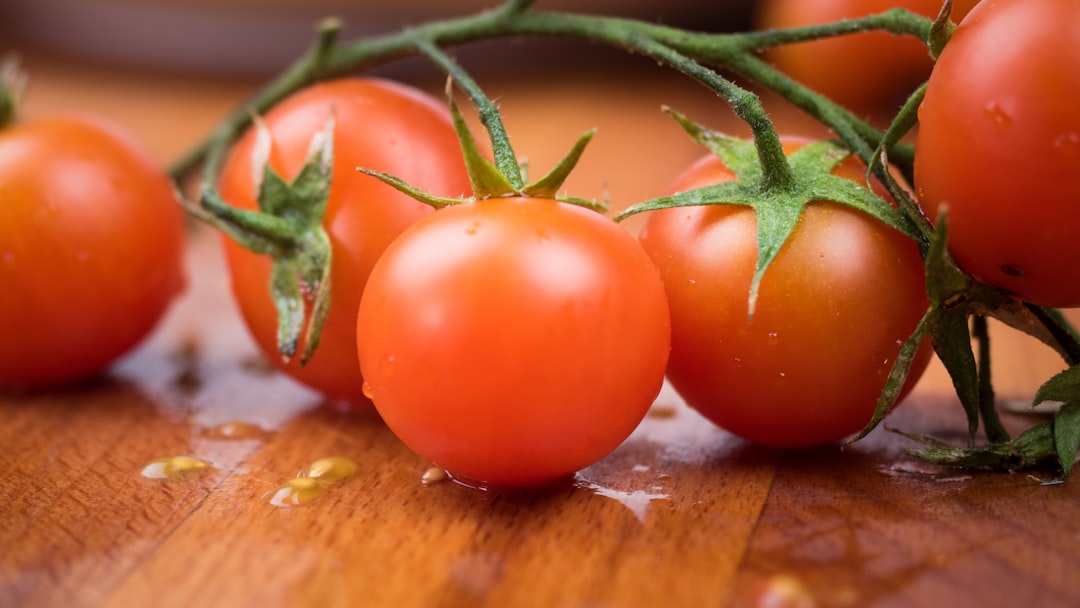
(682, 514)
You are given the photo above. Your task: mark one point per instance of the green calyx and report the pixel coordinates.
(505, 177)
(959, 308)
(287, 227)
(941, 30)
(777, 203)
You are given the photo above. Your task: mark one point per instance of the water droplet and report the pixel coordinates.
(235, 429)
(174, 467)
(296, 492)
(434, 475)
(366, 389)
(1067, 143)
(331, 468)
(386, 368)
(637, 501)
(998, 115)
(774, 338)
(786, 591)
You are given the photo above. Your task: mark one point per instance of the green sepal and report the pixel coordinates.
(253, 230)
(952, 343)
(1064, 387)
(947, 289)
(776, 207)
(898, 374)
(287, 227)
(941, 30)
(598, 206)
(738, 154)
(1052, 443)
(1067, 435)
(295, 280)
(484, 177)
(488, 179)
(1033, 448)
(960, 305)
(437, 202)
(548, 185)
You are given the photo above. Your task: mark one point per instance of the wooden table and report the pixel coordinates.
(682, 514)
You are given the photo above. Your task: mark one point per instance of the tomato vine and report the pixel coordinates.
(959, 304)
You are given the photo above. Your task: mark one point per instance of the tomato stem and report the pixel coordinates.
(992, 426)
(505, 159)
(735, 51)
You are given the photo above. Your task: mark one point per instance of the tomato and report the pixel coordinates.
(379, 125)
(513, 341)
(999, 145)
(91, 248)
(864, 71)
(841, 296)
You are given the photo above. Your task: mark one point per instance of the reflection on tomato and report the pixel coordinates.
(833, 309)
(91, 248)
(862, 71)
(513, 341)
(999, 145)
(380, 125)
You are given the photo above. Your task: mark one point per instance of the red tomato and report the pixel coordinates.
(380, 125)
(91, 248)
(833, 309)
(513, 341)
(863, 71)
(999, 144)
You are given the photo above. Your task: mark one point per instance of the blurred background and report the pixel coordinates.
(171, 70)
(250, 38)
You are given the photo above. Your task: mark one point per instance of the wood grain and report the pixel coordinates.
(682, 514)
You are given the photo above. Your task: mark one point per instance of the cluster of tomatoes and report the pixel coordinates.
(515, 340)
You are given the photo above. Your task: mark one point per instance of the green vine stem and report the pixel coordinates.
(735, 51)
(505, 159)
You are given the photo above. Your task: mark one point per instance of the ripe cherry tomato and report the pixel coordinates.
(842, 295)
(513, 341)
(999, 144)
(863, 71)
(380, 125)
(91, 248)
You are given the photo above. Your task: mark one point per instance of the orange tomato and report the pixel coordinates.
(865, 71)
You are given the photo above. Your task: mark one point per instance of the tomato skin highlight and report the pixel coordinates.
(380, 125)
(833, 309)
(999, 145)
(91, 248)
(513, 341)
